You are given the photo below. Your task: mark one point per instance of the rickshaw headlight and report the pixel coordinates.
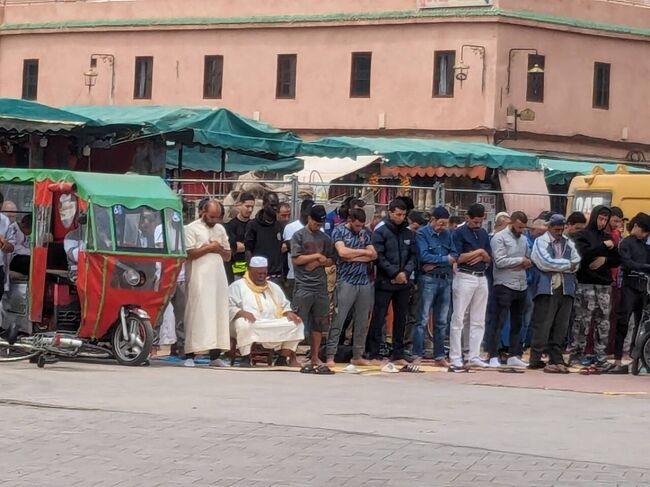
(133, 277)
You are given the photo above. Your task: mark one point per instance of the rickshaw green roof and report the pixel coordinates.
(129, 190)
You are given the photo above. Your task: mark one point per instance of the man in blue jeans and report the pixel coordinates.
(436, 256)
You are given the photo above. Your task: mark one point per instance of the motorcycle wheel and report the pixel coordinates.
(133, 349)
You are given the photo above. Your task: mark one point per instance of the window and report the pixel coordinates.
(535, 81)
(30, 79)
(360, 76)
(212, 76)
(601, 85)
(143, 78)
(443, 73)
(286, 82)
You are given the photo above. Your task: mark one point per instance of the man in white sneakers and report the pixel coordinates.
(470, 288)
(511, 260)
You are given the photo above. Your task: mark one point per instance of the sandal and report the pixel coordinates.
(591, 370)
(307, 369)
(413, 369)
(460, 369)
(322, 370)
(553, 369)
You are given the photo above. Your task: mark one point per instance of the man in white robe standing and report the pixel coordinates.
(260, 313)
(207, 326)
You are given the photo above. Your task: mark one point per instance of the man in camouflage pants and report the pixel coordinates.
(594, 294)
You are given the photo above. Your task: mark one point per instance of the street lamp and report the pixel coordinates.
(91, 74)
(536, 69)
(461, 68)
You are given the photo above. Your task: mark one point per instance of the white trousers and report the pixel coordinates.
(470, 295)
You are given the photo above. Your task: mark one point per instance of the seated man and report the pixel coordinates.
(260, 313)
(19, 235)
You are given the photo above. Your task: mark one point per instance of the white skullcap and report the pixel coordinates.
(259, 262)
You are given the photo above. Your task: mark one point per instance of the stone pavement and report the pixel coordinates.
(92, 424)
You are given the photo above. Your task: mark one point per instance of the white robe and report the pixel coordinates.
(268, 330)
(206, 312)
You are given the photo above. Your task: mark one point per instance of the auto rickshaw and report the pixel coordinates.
(106, 251)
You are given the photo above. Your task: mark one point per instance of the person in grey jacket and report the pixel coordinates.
(556, 262)
(511, 260)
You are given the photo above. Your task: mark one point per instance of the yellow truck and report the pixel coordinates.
(630, 192)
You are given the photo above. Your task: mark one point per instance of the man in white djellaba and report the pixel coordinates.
(260, 313)
(207, 327)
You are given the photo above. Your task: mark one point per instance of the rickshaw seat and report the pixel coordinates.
(259, 354)
(17, 276)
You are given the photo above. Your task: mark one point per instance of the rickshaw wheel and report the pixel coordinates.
(645, 351)
(135, 348)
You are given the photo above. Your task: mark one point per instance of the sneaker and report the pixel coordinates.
(477, 362)
(390, 368)
(516, 362)
(456, 367)
(217, 363)
(189, 362)
(494, 363)
(587, 361)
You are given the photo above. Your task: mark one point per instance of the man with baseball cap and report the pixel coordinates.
(311, 252)
(556, 262)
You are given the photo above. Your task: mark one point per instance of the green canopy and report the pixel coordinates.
(557, 171)
(210, 160)
(422, 152)
(27, 116)
(216, 127)
(129, 190)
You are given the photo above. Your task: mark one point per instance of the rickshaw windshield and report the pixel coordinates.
(137, 230)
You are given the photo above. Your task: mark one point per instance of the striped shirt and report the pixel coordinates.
(354, 273)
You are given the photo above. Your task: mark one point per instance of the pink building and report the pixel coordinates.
(382, 67)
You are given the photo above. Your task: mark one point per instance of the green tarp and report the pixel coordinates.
(558, 171)
(27, 116)
(210, 160)
(422, 152)
(129, 190)
(216, 127)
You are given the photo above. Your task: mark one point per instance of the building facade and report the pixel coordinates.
(559, 76)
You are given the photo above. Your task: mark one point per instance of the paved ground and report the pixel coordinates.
(102, 425)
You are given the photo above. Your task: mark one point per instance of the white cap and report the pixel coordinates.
(259, 262)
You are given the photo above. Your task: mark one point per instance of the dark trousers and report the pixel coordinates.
(550, 324)
(631, 305)
(507, 301)
(383, 298)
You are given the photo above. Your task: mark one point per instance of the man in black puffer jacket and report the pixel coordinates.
(395, 246)
(593, 297)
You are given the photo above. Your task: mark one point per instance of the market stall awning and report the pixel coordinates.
(215, 127)
(209, 160)
(21, 116)
(560, 171)
(325, 170)
(412, 152)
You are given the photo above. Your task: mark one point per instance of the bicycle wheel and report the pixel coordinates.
(16, 352)
(645, 351)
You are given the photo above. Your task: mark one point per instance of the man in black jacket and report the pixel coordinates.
(634, 263)
(593, 297)
(396, 260)
(264, 237)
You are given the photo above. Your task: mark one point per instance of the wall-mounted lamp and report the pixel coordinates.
(85, 151)
(535, 69)
(90, 76)
(43, 142)
(461, 68)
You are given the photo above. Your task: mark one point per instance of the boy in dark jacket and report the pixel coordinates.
(396, 260)
(593, 297)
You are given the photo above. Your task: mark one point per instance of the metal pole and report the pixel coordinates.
(223, 171)
(295, 188)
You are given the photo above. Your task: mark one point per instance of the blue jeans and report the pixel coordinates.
(434, 292)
